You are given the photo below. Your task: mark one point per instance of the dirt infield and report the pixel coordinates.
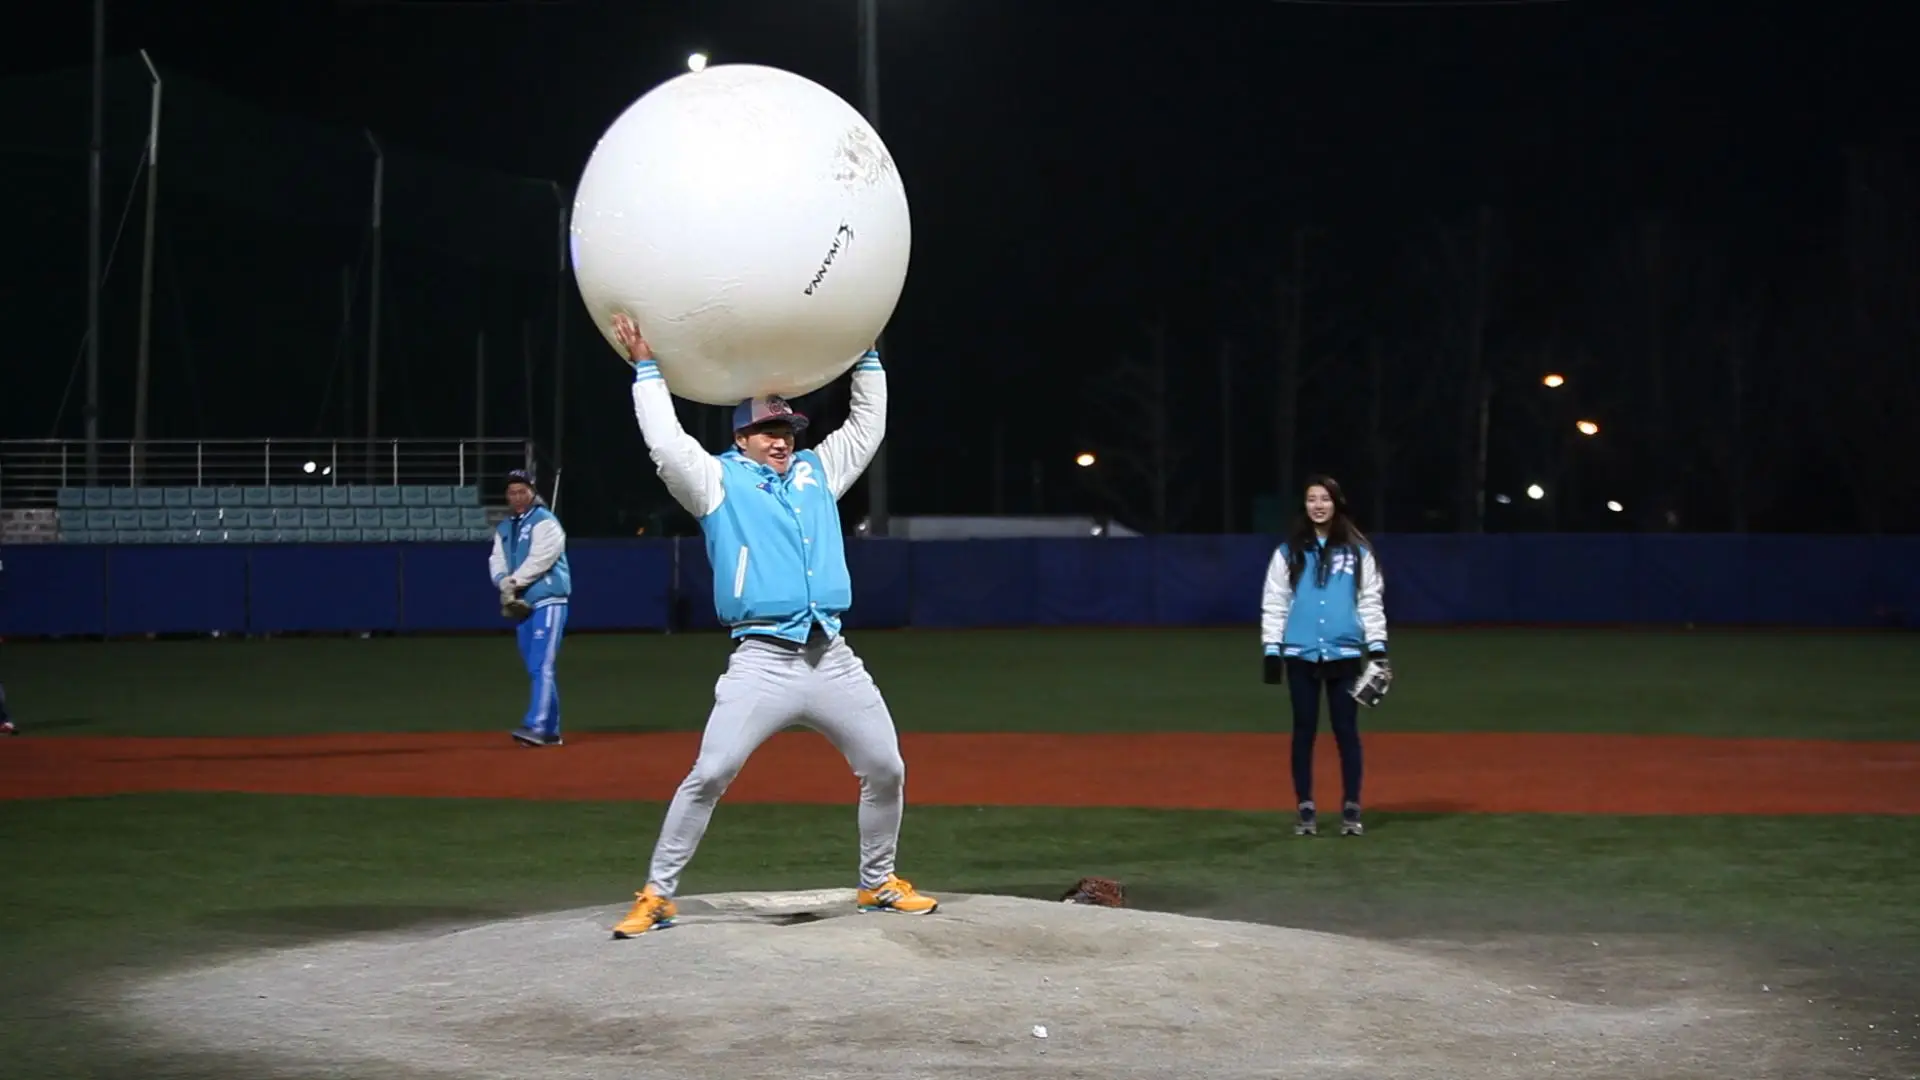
(1600, 774)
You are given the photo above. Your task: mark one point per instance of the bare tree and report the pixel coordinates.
(1454, 271)
(1869, 377)
(1140, 463)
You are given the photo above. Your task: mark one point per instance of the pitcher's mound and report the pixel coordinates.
(800, 986)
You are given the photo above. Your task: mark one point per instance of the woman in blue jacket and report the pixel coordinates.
(1321, 620)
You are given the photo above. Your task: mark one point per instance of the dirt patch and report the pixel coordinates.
(1607, 774)
(964, 993)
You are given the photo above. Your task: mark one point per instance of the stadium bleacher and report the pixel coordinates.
(288, 514)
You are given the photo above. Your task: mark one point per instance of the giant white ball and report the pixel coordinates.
(753, 226)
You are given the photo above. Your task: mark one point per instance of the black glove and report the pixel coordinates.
(1273, 669)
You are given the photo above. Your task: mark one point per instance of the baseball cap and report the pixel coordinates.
(520, 476)
(760, 410)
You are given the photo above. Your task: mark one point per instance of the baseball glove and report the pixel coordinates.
(1373, 683)
(1097, 891)
(511, 606)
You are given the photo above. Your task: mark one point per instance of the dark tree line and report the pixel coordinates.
(1745, 374)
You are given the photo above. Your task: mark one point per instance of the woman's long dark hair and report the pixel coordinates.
(1341, 533)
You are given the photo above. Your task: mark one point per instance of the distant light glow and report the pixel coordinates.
(309, 467)
(1085, 460)
(1614, 505)
(697, 62)
(1503, 500)
(1588, 427)
(1535, 491)
(1554, 380)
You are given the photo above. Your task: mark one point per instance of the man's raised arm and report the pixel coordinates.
(847, 452)
(692, 475)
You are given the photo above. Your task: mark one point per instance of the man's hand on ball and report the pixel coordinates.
(630, 339)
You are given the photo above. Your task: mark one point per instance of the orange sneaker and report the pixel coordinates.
(898, 896)
(650, 909)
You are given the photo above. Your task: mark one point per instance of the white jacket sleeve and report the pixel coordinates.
(849, 450)
(1275, 601)
(497, 562)
(692, 475)
(547, 542)
(1372, 602)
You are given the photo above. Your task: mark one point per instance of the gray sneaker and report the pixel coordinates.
(1306, 826)
(1350, 820)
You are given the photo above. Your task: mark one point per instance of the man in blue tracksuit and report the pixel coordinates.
(770, 514)
(529, 562)
(1322, 622)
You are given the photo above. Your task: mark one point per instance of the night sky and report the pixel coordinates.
(1701, 217)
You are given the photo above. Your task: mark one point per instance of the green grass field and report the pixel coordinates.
(101, 888)
(1828, 686)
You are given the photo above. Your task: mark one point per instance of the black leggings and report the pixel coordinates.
(1307, 681)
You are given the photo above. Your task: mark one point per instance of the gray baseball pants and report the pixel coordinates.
(772, 685)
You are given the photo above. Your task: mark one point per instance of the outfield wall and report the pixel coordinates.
(115, 590)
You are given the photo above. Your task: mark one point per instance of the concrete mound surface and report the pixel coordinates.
(801, 986)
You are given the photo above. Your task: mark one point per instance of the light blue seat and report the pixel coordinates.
(342, 517)
(289, 536)
(373, 536)
(70, 498)
(174, 498)
(439, 495)
(426, 536)
(386, 496)
(319, 536)
(286, 517)
(257, 519)
(309, 496)
(281, 495)
(125, 536)
(182, 536)
(208, 519)
(366, 517)
(97, 498)
(420, 517)
(402, 536)
(393, 517)
(467, 495)
(230, 496)
(99, 519)
(152, 520)
(318, 517)
(203, 498)
(150, 498)
(413, 495)
(179, 518)
(210, 536)
(334, 496)
(126, 520)
(122, 498)
(255, 495)
(446, 517)
(360, 495)
(474, 517)
(74, 521)
(346, 536)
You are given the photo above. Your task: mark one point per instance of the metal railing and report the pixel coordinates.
(32, 471)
